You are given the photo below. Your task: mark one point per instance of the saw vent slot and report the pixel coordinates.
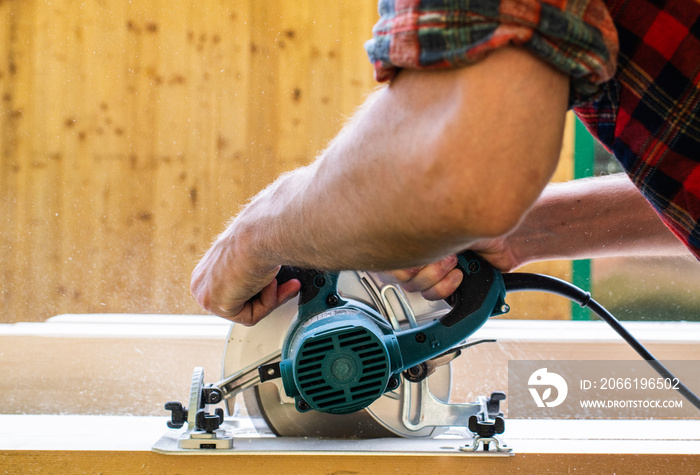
(342, 372)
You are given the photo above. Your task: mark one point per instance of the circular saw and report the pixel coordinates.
(352, 357)
(355, 357)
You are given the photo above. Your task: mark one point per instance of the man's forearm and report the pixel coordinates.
(425, 168)
(589, 218)
(433, 162)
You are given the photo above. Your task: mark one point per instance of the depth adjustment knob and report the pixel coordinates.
(209, 422)
(178, 414)
(487, 428)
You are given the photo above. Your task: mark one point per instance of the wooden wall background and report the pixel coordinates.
(132, 131)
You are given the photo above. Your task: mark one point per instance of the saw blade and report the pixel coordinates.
(272, 412)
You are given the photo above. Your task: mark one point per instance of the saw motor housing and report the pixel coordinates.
(340, 363)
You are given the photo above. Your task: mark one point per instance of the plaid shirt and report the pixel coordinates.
(645, 108)
(649, 115)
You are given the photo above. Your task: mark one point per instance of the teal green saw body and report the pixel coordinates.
(340, 356)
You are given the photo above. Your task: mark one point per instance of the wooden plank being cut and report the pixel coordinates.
(103, 444)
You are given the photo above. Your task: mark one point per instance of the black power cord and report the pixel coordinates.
(517, 282)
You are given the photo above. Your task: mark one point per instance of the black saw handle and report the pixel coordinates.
(480, 296)
(311, 281)
(480, 280)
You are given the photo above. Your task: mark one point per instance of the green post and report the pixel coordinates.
(584, 154)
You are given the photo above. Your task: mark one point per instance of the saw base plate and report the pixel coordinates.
(246, 441)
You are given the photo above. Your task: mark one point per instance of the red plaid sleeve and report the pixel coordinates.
(575, 36)
(649, 116)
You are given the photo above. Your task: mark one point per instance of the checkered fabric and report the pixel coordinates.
(575, 36)
(647, 111)
(649, 115)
